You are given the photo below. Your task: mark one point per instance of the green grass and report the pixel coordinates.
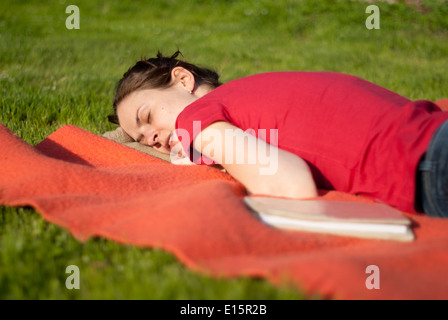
(51, 76)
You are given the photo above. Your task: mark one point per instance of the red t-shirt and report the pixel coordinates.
(356, 136)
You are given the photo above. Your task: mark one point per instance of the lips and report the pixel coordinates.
(173, 140)
(174, 145)
(170, 140)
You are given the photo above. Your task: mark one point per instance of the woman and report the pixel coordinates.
(326, 130)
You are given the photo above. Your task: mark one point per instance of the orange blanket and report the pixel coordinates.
(96, 187)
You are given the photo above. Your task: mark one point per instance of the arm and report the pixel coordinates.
(271, 171)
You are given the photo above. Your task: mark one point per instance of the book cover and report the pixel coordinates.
(363, 220)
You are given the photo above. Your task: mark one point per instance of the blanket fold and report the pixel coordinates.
(93, 186)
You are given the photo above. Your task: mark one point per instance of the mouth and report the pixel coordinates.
(170, 139)
(173, 144)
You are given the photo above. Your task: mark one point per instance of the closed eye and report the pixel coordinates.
(140, 115)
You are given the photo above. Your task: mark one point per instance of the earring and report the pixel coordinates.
(191, 92)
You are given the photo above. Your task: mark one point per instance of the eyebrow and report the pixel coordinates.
(137, 119)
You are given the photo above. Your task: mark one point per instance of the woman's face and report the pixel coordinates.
(149, 115)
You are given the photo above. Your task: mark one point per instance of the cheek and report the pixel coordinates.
(169, 118)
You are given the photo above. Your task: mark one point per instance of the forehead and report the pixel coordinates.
(130, 104)
(134, 98)
(127, 110)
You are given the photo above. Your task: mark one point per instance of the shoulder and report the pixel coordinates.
(283, 78)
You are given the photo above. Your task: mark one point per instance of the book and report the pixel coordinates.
(355, 219)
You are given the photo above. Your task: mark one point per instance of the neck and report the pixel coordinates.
(202, 90)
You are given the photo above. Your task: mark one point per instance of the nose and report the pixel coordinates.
(151, 138)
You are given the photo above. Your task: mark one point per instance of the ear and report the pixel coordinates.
(183, 77)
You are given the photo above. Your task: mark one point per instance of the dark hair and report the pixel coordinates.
(155, 73)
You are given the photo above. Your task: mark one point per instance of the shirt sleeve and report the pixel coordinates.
(195, 118)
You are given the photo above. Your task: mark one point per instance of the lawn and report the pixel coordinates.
(51, 76)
